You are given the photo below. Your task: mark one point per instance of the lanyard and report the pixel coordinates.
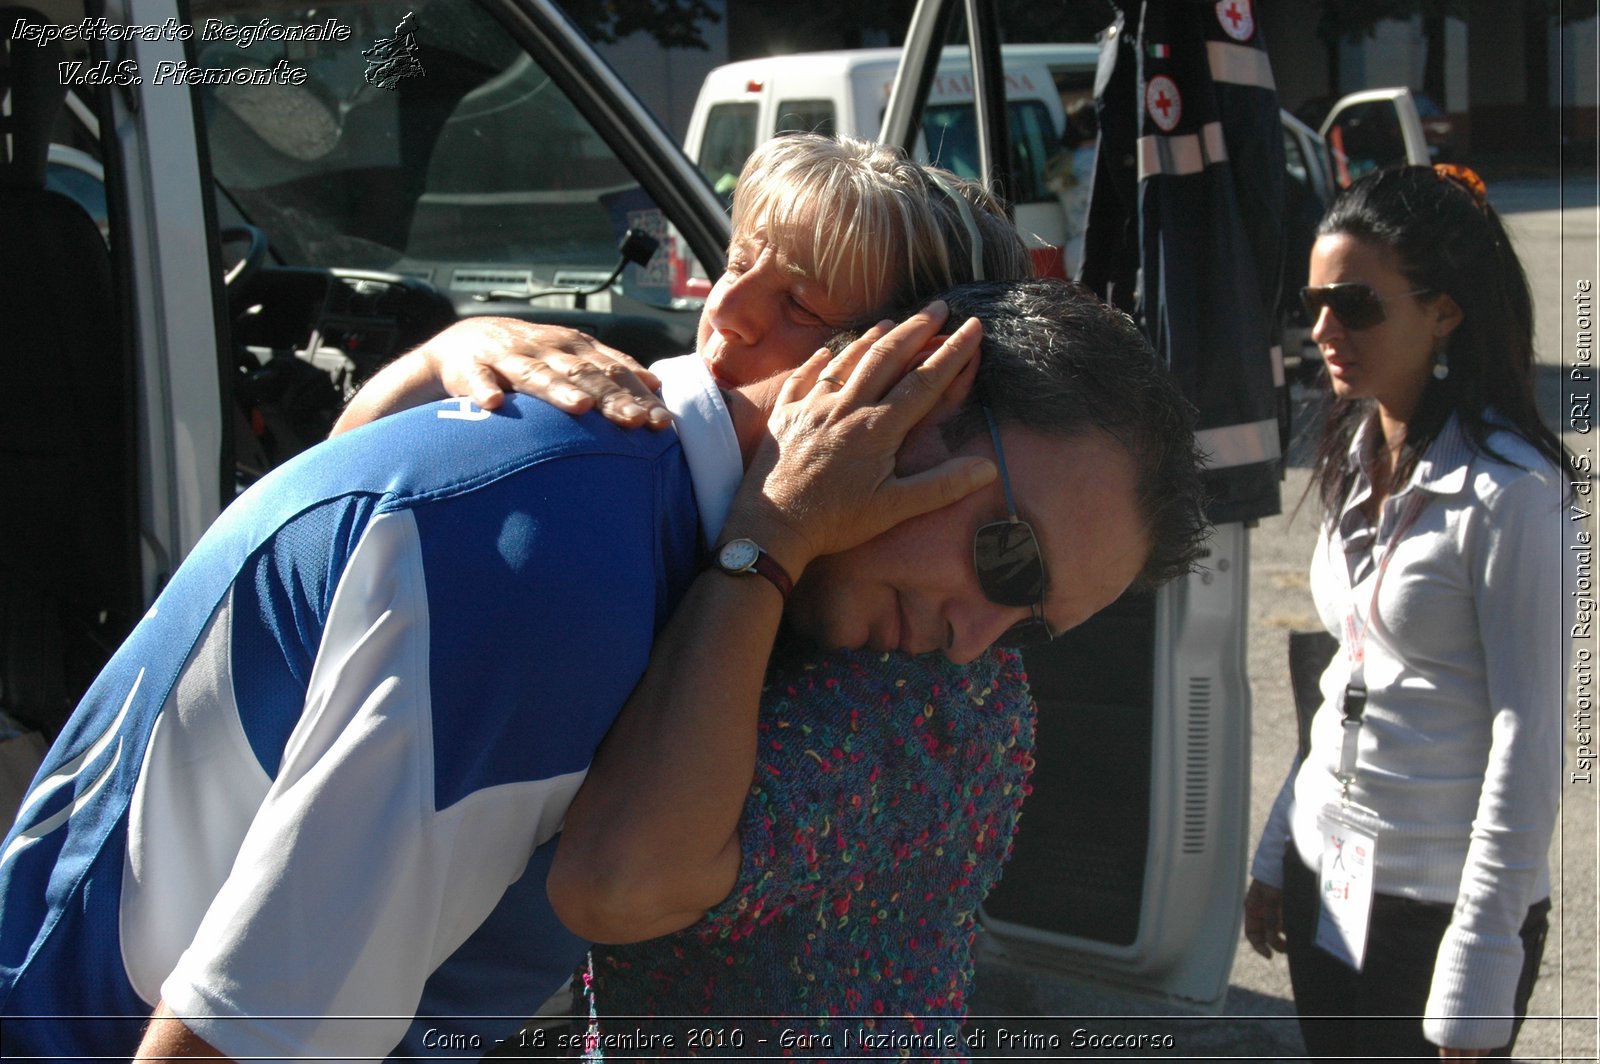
(1355, 645)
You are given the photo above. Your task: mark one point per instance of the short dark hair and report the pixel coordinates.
(1057, 360)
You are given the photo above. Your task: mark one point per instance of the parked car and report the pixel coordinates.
(278, 223)
(1438, 127)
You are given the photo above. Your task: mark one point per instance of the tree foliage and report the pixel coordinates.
(673, 23)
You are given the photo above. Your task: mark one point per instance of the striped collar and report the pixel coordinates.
(1442, 470)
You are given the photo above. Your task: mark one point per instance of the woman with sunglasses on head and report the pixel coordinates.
(1404, 866)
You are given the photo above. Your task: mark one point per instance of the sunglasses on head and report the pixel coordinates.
(1010, 567)
(1356, 306)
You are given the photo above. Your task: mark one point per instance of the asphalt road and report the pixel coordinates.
(1555, 229)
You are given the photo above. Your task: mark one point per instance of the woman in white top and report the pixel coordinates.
(1404, 867)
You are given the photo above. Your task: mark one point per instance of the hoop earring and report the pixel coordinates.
(1441, 360)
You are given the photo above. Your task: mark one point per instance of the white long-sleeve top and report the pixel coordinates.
(1458, 773)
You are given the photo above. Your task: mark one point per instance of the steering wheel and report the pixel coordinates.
(237, 278)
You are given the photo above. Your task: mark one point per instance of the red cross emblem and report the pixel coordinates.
(1165, 104)
(1237, 18)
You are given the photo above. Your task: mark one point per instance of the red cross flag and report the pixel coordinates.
(1186, 226)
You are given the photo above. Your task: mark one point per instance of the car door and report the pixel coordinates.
(453, 160)
(1128, 865)
(105, 470)
(1308, 188)
(378, 170)
(1370, 130)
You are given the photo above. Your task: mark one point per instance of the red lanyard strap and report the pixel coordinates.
(1355, 689)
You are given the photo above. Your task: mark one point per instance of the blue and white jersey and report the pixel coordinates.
(322, 777)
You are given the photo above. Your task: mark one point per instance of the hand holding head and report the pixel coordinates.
(822, 477)
(1100, 448)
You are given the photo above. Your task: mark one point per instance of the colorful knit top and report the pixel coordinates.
(886, 793)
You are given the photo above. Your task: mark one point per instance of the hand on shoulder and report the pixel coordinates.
(483, 358)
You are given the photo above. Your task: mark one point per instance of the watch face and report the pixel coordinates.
(738, 555)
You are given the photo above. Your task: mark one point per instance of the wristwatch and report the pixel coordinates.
(739, 556)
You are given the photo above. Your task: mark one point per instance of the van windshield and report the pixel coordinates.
(951, 133)
(469, 159)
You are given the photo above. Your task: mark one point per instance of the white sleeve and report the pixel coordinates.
(350, 889)
(1517, 558)
(1267, 865)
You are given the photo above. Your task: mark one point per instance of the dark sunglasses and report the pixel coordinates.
(1356, 306)
(1010, 567)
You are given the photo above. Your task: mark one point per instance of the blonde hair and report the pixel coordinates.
(863, 218)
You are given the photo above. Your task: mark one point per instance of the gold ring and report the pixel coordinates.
(831, 380)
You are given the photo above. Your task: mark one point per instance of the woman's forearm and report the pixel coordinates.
(408, 381)
(651, 841)
(1518, 609)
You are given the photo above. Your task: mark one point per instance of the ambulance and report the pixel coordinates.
(845, 92)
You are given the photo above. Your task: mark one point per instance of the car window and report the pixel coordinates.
(806, 116)
(1365, 137)
(445, 153)
(80, 177)
(1035, 177)
(952, 137)
(729, 139)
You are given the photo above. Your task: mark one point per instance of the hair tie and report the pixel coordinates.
(1466, 177)
(974, 238)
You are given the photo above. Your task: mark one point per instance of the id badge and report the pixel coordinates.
(1346, 887)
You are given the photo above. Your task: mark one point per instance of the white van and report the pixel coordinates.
(742, 104)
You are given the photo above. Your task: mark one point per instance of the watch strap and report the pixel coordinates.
(768, 567)
(763, 564)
